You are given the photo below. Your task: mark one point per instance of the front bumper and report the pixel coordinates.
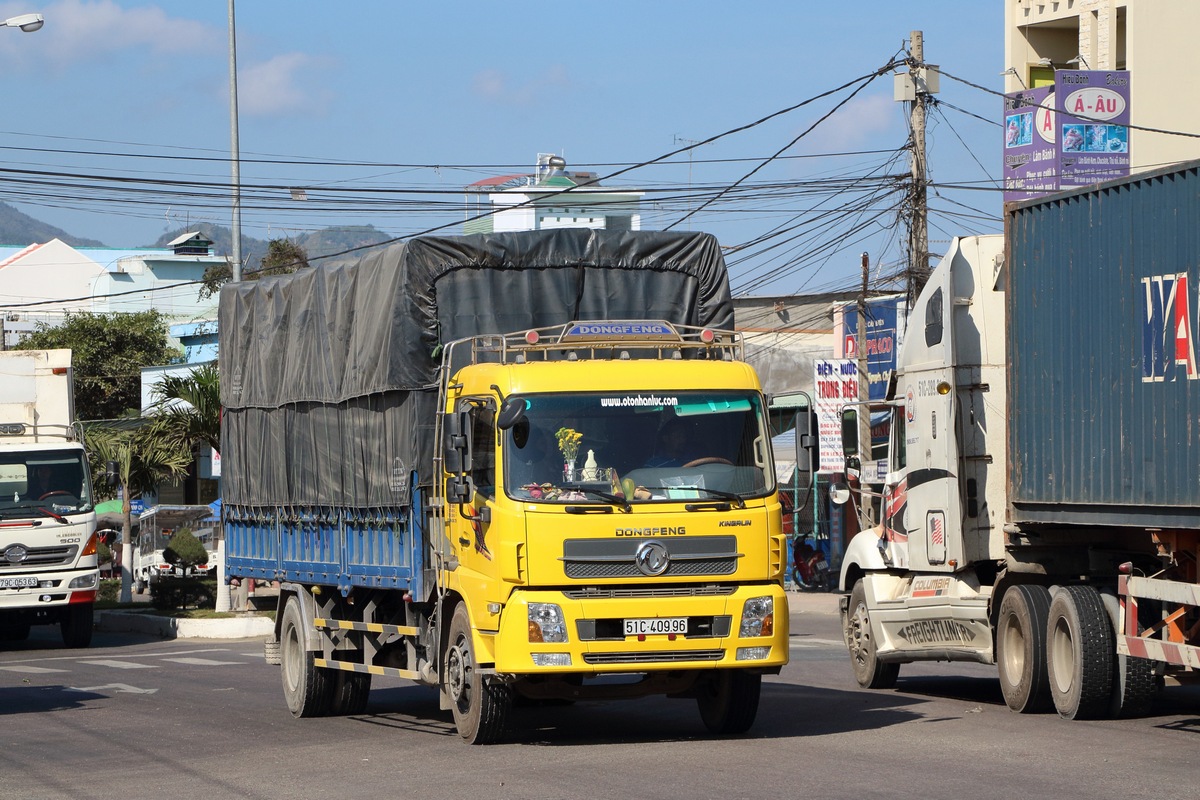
(597, 645)
(54, 589)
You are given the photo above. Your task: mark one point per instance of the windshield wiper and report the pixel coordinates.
(53, 515)
(736, 499)
(610, 498)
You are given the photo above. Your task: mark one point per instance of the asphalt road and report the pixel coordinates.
(138, 718)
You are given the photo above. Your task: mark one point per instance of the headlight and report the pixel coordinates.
(83, 582)
(546, 623)
(758, 617)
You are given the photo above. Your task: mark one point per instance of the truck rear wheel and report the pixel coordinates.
(350, 692)
(1134, 687)
(728, 701)
(14, 632)
(869, 671)
(306, 687)
(1080, 653)
(77, 625)
(480, 705)
(1021, 648)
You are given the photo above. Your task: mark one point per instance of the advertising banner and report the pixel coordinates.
(836, 382)
(1093, 120)
(1030, 144)
(1074, 133)
(884, 335)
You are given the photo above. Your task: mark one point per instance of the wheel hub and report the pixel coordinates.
(457, 660)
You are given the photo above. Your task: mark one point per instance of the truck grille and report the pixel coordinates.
(608, 593)
(590, 559)
(660, 657)
(43, 557)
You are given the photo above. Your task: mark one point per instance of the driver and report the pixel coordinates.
(675, 446)
(42, 482)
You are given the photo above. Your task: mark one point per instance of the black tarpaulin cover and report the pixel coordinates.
(327, 375)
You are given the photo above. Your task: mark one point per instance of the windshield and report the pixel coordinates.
(640, 448)
(57, 481)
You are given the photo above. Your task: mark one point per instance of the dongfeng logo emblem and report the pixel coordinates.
(16, 554)
(652, 558)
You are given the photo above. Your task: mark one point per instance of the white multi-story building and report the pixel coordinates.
(551, 197)
(1149, 38)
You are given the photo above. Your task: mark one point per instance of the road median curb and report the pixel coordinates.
(247, 626)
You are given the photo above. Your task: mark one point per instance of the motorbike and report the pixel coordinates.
(810, 570)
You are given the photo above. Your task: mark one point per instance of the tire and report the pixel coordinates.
(306, 687)
(1079, 640)
(77, 625)
(480, 706)
(139, 585)
(1021, 648)
(869, 671)
(728, 701)
(350, 692)
(271, 652)
(1134, 687)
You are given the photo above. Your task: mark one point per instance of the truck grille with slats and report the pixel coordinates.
(591, 559)
(43, 557)
(659, 657)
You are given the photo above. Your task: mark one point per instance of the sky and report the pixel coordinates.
(116, 118)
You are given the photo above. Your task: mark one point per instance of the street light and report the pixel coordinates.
(26, 22)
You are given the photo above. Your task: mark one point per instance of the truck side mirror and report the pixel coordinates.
(808, 455)
(456, 453)
(850, 432)
(110, 473)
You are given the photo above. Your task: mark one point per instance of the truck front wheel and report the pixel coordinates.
(1021, 648)
(1080, 653)
(306, 687)
(728, 701)
(869, 671)
(480, 705)
(77, 624)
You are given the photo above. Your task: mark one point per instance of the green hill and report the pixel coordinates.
(21, 229)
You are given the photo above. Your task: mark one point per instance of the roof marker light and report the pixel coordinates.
(707, 336)
(532, 337)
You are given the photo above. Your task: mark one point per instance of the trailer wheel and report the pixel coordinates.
(480, 705)
(350, 692)
(869, 671)
(139, 585)
(728, 701)
(1134, 687)
(1021, 648)
(77, 625)
(1080, 653)
(306, 687)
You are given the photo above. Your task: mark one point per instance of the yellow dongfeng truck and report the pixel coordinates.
(453, 455)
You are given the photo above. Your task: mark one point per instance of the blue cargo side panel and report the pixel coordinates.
(251, 542)
(1104, 353)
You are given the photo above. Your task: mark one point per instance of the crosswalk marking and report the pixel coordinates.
(807, 643)
(202, 662)
(119, 664)
(33, 670)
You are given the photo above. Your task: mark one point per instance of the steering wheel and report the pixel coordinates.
(696, 462)
(53, 493)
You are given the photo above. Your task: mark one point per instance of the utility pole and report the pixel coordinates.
(864, 395)
(917, 86)
(235, 155)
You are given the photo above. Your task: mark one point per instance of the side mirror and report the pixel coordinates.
(512, 411)
(110, 473)
(839, 494)
(850, 432)
(808, 454)
(456, 453)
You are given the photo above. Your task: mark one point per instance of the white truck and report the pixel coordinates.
(156, 526)
(1040, 510)
(48, 565)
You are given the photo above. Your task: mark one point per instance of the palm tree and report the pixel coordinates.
(190, 405)
(141, 455)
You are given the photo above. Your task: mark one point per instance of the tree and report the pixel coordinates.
(185, 551)
(283, 257)
(143, 455)
(190, 406)
(108, 352)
